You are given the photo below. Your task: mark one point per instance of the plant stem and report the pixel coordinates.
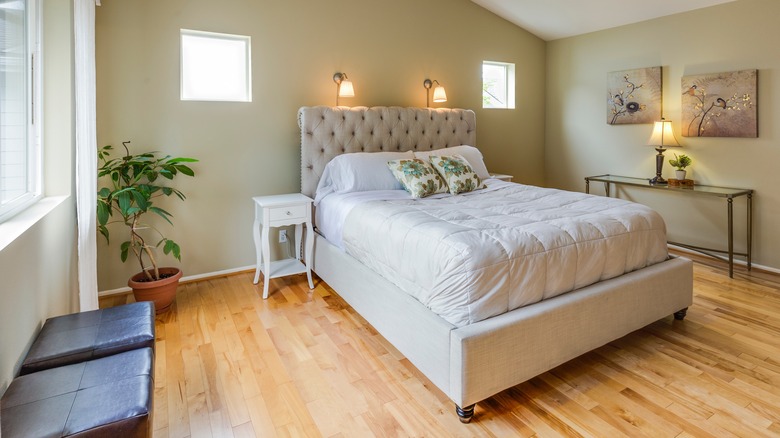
(137, 239)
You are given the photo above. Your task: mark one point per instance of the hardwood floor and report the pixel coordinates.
(305, 364)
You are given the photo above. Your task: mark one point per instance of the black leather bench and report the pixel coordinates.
(78, 337)
(111, 396)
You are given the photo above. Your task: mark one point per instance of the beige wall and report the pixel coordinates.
(38, 269)
(734, 36)
(250, 149)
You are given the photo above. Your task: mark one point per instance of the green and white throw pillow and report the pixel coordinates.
(457, 173)
(417, 177)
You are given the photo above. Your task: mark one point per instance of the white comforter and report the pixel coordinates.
(471, 257)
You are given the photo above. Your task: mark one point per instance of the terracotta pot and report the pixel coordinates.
(162, 292)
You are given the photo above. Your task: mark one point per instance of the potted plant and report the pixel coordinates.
(680, 163)
(134, 187)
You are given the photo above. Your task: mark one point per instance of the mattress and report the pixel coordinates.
(470, 257)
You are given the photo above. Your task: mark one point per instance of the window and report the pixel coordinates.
(215, 66)
(20, 153)
(498, 85)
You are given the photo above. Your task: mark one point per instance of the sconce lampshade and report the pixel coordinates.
(343, 86)
(346, 90)
(439, 95)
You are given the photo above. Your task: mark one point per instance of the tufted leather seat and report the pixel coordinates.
(74, 338)
(111, 396)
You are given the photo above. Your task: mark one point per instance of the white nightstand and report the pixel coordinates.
(279, 211)
(502, 177)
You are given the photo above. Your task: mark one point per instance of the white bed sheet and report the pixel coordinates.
(468, 258)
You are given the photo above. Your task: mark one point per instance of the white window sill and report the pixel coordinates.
(14, 227)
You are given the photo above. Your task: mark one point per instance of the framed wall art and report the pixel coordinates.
(720, 104)
(634, 96)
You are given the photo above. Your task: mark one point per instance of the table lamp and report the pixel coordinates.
(661, 138)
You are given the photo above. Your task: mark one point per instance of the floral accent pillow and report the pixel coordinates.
(417, 177)
(457, 172)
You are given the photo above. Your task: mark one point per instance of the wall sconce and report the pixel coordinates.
(661, 137)
(343, 86)
(439, 95)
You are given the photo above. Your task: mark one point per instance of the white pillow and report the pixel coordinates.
(359, 172)
(470, 153)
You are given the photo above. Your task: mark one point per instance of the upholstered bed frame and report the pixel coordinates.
(473, 362)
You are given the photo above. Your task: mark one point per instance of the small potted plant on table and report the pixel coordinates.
(133, 190)
(680, 163)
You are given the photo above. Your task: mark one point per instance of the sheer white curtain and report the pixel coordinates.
(86, 151)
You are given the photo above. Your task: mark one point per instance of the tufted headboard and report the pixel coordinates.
(330, 131)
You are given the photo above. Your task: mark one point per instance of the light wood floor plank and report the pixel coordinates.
(304, 363)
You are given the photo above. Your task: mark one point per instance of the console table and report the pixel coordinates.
(698, 190)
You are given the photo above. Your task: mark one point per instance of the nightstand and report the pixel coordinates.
(279, 211)
(502, 177)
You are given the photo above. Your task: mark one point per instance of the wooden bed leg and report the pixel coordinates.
(465, 414)
(680, 314)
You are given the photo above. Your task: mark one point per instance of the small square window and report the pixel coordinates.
(215, 66)
(498, 85)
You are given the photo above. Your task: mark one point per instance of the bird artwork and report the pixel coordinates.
(691, 91)
(720, 104)
(634, 96)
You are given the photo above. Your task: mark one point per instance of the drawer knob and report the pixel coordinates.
(289, 213)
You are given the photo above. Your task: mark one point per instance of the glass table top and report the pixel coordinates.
(724, 192)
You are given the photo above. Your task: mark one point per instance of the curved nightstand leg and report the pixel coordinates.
(258, 248)
(298, 244)
(308, 251)
(266, 261)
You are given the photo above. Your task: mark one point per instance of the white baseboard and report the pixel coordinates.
(124, 290)
(736, 262)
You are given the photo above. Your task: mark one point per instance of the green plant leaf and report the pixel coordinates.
(171, 246)
(125, 201)
(140, 199)
(104, 231)
(124, 250)
(164, 214)
(103, 213)
(185, 170)
(182, 160)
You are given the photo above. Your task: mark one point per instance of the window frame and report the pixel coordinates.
(216, 36)
(509, 78)
(33, 115)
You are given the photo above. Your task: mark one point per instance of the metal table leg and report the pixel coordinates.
(731, 236)
(749, 230)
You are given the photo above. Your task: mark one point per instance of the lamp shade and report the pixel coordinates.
(662, 135)
(439, 95)
(346, 90)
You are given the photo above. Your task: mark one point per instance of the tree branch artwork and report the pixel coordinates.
(634, 96)
(720, 105)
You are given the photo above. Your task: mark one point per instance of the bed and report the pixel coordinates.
(474, 358)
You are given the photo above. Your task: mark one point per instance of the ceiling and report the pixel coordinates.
(554, 19)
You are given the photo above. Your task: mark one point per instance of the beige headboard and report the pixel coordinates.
(330, 131)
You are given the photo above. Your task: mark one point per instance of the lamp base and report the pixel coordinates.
(658, 181)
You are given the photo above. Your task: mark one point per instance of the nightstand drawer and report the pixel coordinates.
(291, 212)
